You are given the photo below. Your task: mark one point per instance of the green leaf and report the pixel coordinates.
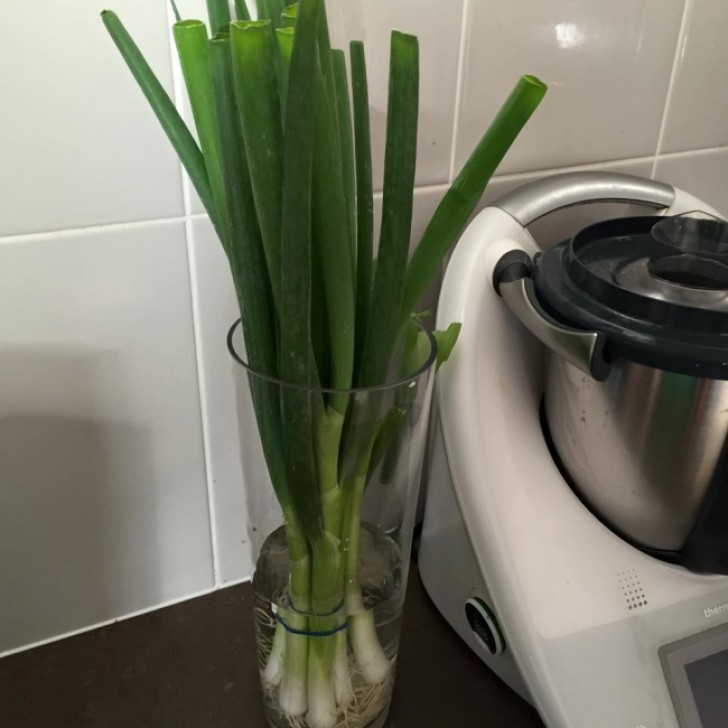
(271, 10)
(389, 270)
(254, 60)
(289, 16)
(320, 317)
(192, 46)
(399, 177)
(296, 359)
(331, 225)
(346, 145)
(219, 13)
(249, 273)
(446, 341)
(172, 124)
(387, 432)
(326, 58)
(461, 199)
(284, 37)
(241, 10)
(417, 349)
(247, 259)
(364, 194)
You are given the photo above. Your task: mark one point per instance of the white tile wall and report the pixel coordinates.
(704, 173)
(103, 498)
(217, 311)
(699, 103)
(607, 63)
(77, 143)
(120, 479)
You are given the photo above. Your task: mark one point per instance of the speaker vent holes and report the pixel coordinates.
(632, 589)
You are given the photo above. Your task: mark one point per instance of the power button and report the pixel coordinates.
(483, 622)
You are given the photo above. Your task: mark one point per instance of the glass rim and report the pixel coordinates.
(398, 382)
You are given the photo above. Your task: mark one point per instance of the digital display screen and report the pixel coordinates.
(708, 680)
(696, 670)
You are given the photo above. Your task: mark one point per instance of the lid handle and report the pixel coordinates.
(584, 349)
(537, 199)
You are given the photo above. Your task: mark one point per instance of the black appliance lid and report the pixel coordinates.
(656, 287)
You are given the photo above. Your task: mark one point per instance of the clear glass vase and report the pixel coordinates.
(331, 532)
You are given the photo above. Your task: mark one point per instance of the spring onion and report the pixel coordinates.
(284, 170)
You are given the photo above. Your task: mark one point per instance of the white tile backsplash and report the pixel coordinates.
(218, 309)
(121, 485)
(704, 174)
(79, 146)
(607, 64)
(699, 103)
(103, 504)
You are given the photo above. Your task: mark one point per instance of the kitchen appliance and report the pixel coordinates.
(570, 538)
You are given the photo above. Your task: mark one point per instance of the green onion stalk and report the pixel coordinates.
(282, 163)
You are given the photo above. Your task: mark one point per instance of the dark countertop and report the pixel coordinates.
(192, 665)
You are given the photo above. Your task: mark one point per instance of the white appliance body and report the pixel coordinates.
(583, 613)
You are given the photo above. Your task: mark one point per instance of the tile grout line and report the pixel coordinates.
(88, 230)
(599, 164)
(431, 187)
(693, 152)
(459, 90)
(681, 40)
(586, 166)
(438, 187)
(201, 388)
(196, 325)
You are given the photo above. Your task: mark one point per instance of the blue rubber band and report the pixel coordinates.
(309, 633)
(334, 611)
